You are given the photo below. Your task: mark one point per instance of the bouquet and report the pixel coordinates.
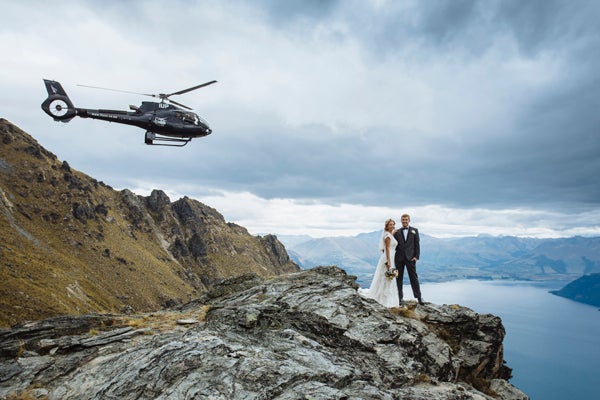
(391, 273)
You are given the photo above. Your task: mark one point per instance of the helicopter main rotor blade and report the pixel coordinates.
(192, 88)
(179, 104)
(161, 96)
(117, 90)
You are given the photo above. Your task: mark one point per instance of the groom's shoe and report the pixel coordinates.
(421, 302)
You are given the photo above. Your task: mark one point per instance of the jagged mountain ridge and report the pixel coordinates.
(480, 257)
(70, 244)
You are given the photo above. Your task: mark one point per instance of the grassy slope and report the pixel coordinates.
(70, 244)
(52, 263)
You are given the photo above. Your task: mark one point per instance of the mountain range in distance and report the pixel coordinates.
(482, 257)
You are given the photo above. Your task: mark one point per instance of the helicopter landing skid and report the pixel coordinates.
(152, 137)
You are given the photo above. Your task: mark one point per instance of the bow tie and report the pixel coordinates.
(402, 229)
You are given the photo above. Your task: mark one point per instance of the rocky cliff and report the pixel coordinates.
(307, 335)
(70, 244)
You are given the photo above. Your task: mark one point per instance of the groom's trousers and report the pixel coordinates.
(411, 268)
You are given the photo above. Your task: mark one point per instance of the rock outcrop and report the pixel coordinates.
(70, 244)
(307, 335)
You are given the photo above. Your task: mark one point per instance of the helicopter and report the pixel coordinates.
(167, 123)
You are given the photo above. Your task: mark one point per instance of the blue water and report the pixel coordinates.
(552, 343)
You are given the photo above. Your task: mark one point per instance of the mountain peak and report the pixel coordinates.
(70, 244)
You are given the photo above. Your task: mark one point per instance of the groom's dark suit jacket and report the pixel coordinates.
(409, 247)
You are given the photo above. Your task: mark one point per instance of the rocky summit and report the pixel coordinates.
(305, 335)
(113, 295)
(70, 244)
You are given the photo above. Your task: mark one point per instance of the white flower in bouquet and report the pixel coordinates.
(391, 273)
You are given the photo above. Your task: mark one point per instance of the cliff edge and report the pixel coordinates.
(306, 335)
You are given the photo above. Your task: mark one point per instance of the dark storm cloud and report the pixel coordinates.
(471, 26)
(538, 25)
(550, 163)
(443, 22)
(552, 150)
(544, 154)
(479, 104)
(281, 13)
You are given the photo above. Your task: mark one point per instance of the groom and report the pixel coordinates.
(407, 253)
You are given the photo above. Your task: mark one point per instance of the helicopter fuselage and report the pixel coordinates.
(160, 118)
(165, 123)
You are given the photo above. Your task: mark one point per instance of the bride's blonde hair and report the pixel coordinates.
(387, 223)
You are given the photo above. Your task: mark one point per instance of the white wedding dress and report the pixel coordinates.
(383, 290)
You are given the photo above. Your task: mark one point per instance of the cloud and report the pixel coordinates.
(328, 108)
(296, 217)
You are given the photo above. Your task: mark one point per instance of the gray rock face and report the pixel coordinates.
(307, 335)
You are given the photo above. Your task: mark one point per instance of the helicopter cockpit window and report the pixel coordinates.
(188, 117)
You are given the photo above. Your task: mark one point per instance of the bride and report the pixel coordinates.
(383, 288)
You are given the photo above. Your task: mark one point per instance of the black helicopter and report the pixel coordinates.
(165, 124)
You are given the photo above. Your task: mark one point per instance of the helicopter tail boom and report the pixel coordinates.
(58, 105)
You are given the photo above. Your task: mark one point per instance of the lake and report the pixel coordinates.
(552, 343)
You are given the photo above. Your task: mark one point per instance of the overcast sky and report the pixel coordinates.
(330, 116)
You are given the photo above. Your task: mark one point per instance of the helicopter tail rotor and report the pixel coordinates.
(58, 105)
